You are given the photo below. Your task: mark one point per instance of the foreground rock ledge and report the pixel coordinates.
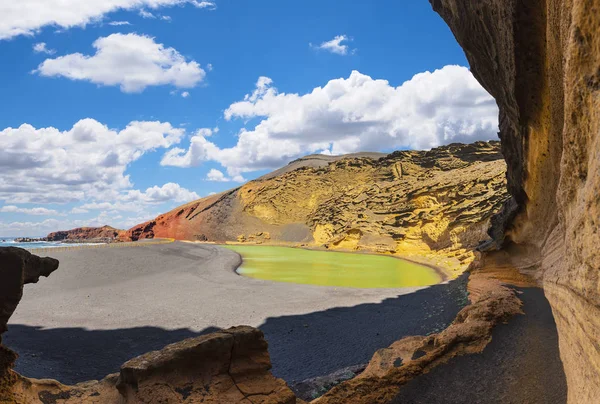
(230, 366)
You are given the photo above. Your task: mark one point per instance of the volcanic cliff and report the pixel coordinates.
(430, 205)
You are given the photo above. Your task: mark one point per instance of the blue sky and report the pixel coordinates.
(241, 87)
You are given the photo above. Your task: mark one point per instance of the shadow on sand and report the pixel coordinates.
(301, 346)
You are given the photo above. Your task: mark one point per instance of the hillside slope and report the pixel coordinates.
(425, 204)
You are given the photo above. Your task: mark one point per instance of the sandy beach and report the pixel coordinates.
(106, 305)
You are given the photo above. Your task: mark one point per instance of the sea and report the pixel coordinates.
(10, 242)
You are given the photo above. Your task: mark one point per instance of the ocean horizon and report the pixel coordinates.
(11, 242)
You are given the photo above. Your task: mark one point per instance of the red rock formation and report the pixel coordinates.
(86, 233)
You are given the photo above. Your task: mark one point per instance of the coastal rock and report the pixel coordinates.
(86, 233)
(429, 205)
(17, 268)
(540, 59)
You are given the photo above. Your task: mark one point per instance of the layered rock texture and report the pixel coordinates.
(86, 233)
(432, 205)
(540, 59)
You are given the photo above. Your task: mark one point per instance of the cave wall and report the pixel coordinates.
(540, 59)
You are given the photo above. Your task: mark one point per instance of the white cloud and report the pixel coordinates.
(169, 192)
(28, 211)
(40, 47)
(335, 45)
(216, 175)
(146, 14)
(132, 61)
(349, 115)
(119, 23)
(209, 67)
(27, 17)
(166, 18)
(211, 5)
(88, 161)
(185, 94)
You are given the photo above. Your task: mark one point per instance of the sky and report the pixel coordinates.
(114, 111)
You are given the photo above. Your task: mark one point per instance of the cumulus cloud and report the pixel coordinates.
(27, 17)
(185, 94)
(88, 161)
(169, 192)
(216, 175)
(349, 115)
(335, 45)
(131, 61)
(42, 48)
(28, 211)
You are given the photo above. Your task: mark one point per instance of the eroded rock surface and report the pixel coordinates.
(540, 59)
(433, 204)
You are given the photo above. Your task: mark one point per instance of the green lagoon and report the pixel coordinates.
(295, 265)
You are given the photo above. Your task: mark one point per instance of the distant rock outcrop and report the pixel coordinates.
(433, 205)
(86, 233)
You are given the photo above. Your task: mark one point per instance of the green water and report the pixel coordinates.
(326, 268)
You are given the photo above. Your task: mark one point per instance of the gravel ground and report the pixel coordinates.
(106, 305)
